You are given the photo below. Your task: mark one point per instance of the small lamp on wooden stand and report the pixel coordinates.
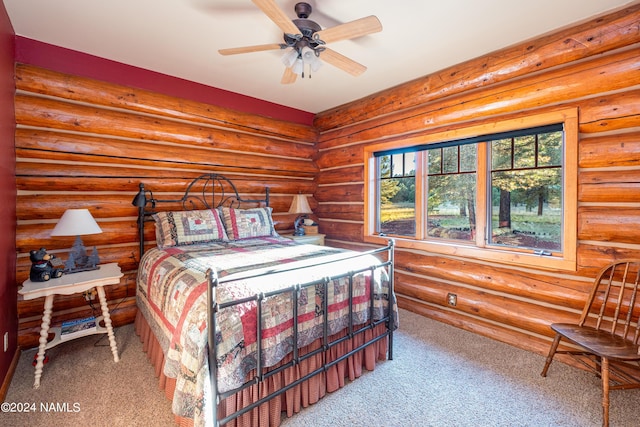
(78, 222)
(300, 206)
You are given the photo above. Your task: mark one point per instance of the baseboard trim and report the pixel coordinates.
(12, 370)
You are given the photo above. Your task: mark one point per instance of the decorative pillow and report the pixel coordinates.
(247, 223)
(181, 228)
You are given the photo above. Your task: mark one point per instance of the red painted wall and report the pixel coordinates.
(68, 61)
(8, 291)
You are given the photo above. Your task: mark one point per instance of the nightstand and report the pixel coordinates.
(310, 239)
(107, 274)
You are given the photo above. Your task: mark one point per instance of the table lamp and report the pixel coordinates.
(78, 222)
(299, 205)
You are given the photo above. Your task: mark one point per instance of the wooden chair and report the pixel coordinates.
(607, 331)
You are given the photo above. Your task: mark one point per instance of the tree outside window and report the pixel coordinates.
(526, 191)
(523, 196)
(397, 196)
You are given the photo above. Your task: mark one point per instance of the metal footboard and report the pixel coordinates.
(261, 374)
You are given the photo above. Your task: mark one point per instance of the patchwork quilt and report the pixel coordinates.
(171, 293)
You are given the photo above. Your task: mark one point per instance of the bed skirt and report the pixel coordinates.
(292, 401)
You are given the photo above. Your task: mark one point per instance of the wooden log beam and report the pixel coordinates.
(619, 225)
(595, 37)
(343, 193)
(51, 177)
(52, 114)
(620, 149)
(491, 307)
(52, 206)
(339, 156)
(158, 167)
(341, 175)
(349, 212)
(593, 256)
(80, 89)
(339, 230)
(579, 80)
(610, 112)
(550, 289)
(614, 186)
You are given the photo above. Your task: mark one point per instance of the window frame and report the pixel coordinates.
(565, 260)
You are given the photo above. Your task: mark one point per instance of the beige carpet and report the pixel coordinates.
(82, 375)
(440, 376)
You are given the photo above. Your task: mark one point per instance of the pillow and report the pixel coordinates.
(247, 223)
(181, 228)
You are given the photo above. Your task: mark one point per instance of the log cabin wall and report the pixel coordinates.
(83, 143)
(594, 66)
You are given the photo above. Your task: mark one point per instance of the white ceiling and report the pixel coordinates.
(181, 38)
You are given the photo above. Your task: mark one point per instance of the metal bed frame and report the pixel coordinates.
(217, 190)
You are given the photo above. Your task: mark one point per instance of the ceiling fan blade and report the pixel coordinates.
(288, 77)
(277, 15)
(342, 62)
(350, 30)
(248, 49)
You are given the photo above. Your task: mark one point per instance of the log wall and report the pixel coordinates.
(595, 67)
(82, 143)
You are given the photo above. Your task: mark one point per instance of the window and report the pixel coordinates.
(451, 192)
(526, 191)
(507, 195)
(397, 194)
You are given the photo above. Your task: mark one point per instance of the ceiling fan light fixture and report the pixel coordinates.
(315, 65)
(298, 67)
(289, 58)
(311, 57)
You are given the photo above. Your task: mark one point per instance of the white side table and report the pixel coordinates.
(107, 274)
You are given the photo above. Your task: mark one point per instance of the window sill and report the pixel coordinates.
(521, 259)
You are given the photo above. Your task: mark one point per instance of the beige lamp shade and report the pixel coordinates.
(76, 222)
(300, 205)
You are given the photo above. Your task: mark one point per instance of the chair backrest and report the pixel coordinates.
(614, 303)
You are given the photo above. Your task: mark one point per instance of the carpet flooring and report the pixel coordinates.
(440, 376)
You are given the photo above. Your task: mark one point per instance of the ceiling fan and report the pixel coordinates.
(306, 41)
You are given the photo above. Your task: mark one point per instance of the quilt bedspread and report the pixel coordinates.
(171, 293)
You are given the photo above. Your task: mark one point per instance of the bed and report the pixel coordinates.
(290, 321)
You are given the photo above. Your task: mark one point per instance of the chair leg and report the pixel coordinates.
(604, 373)
(552, 352)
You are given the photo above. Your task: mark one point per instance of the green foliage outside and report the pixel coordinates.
(526, 170)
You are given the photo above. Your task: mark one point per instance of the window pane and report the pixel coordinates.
(384, 167)
(527, 203)
(451, 194)
(397, 165)
(396, 210)
(524, 155)
(450, 160)
(501, 154)
(468, 158)
(435, 161)
(550, 149)
(451, 207)
(410, 164)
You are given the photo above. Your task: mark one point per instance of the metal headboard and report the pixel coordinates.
(208, 191)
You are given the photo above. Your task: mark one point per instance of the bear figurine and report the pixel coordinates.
(42, 267)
